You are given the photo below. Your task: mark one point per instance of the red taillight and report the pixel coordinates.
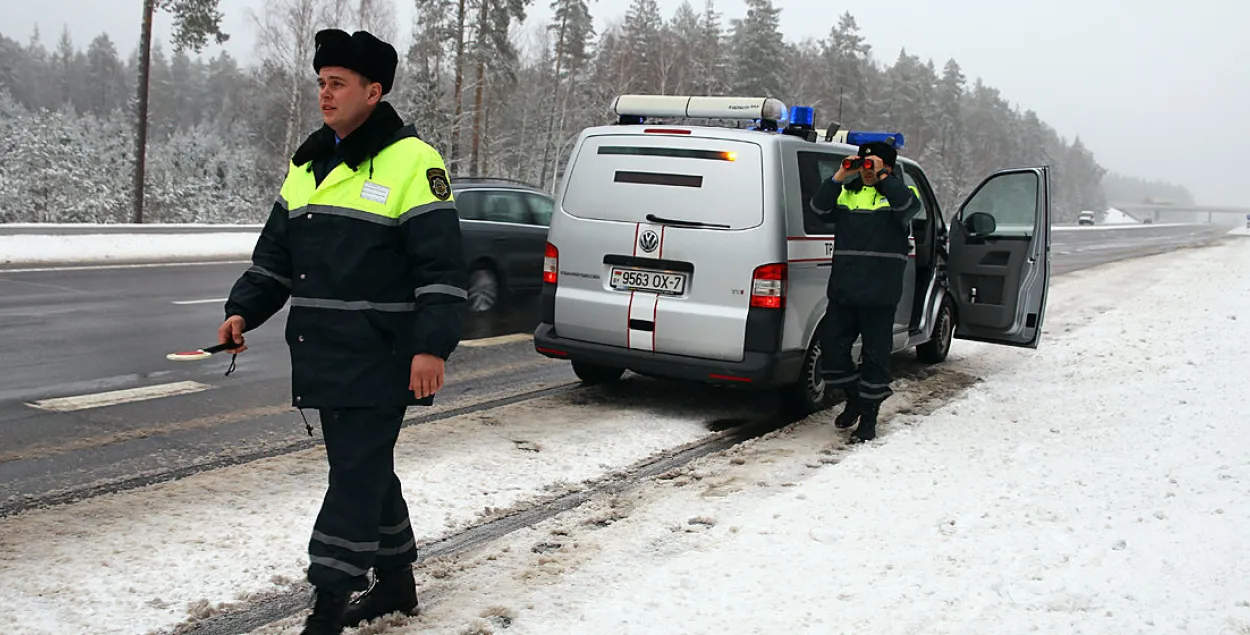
(666, 131)
(768, 286)
(551, 264)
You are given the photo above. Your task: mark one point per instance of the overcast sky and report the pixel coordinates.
(1155, 88)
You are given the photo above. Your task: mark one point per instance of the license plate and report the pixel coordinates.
(661, 282)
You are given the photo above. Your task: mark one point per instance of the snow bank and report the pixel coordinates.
(1097, 485)
(127, 248)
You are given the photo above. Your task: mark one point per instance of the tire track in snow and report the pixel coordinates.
(245, 617)
(277, 607)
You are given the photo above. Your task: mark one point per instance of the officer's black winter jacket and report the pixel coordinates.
(366, 295)
(871, 242)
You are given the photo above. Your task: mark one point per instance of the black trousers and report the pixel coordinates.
(364, 521)
(843, 323)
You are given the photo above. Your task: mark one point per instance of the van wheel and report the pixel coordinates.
(483, 290)
(935, 350)
(592, 374)
(810, 393)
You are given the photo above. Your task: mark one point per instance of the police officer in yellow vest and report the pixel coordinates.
(872, 209)
(365, 242)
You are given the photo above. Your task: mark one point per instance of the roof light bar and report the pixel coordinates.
(751, 108)
(802, 116)
(859, 138)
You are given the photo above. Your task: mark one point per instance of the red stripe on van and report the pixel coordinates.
(629, 311)
(826, 259)
(637, 229)
(655, 309)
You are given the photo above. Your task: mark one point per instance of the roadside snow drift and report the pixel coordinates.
(106, 248)
(1100, 484)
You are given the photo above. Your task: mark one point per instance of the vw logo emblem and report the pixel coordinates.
(649, 241)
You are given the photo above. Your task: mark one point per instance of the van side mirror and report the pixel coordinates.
(980, 224)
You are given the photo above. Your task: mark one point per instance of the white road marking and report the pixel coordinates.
(208, 301)
(496, 341)
(115, 397)
(150, 265)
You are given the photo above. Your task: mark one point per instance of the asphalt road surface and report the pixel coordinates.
(88, 401)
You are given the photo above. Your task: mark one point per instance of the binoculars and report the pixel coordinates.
(857, 163)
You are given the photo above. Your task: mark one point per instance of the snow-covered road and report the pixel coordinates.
(1096, 485)
(1100, 484)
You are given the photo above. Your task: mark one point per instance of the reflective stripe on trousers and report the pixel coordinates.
(363, 521)
(841, 326)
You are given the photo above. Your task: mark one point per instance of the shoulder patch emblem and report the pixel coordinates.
(439, 185)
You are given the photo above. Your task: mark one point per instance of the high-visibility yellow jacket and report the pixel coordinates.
(365, 242)
(870, 246)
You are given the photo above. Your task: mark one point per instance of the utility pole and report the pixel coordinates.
(141, 133)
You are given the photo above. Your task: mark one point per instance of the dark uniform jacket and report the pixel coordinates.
(870, 249)
(365, 242)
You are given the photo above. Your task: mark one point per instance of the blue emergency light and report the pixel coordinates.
(860, 138)
(802, 116)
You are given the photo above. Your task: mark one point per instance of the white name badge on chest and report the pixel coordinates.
(374, 192)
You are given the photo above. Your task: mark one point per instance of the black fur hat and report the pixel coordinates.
(360, 52)
(880, 149)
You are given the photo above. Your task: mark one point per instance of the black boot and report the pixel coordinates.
(867, 430)
(394, 591)
(327, 614)
(850, 414)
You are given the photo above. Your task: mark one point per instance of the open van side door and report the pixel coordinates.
(999, 258)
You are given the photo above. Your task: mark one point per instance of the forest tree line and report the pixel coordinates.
(496, 94)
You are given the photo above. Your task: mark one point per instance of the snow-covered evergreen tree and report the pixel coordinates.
(759, 50)
(643, 39)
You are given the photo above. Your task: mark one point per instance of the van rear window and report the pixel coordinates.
(651, 178)
(624, 178)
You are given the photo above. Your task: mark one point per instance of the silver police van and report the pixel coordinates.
(689, 251)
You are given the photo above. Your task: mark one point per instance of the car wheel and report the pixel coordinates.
(483, 290)
(810, 393)
(935, 350)
(592, 374)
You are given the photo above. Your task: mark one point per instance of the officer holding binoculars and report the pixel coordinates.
(872, 209)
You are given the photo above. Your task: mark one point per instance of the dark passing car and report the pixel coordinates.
(504, 225)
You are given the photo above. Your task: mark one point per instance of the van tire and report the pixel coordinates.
(592, 374)
(936, 349)
(809, 394)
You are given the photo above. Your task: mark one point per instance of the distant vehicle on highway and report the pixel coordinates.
(504, 227)
(1086, 218)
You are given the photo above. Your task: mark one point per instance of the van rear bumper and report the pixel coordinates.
(755, 369)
